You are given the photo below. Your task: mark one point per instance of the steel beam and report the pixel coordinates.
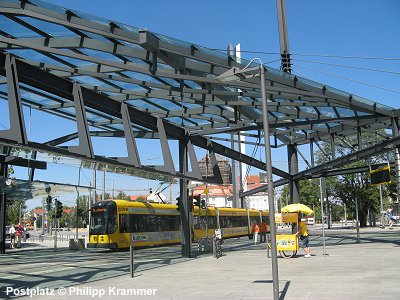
(61, 87)
(17, 130)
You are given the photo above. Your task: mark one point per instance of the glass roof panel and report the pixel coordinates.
(307, 109)
(213, 116)
(100, 54)
(344, 112)
(127, 85)
(170, 81)
(50, 28)
(38, 99)
(136, 60)
(332, 124)
(16, 30)
(92, 18)
(129, 28)
(40, 92)
(88, 80)
(141, 104)
(95, 36)
(73, 61)
(278, 115)
(96, 118)
(327, 112)
(140, 76)
(166, 104)
(192, 84)
(49, 6)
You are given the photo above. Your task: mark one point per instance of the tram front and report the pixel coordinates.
(103, 225)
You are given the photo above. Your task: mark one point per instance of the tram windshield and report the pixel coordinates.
(104, 218)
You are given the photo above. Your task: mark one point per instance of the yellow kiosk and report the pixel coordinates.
(287, 244)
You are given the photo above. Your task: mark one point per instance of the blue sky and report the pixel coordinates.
(358, 28)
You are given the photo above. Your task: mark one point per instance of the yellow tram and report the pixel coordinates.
(115, 224)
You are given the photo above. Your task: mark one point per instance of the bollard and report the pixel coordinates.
(131, 260)
(268, 254)
(214, 248)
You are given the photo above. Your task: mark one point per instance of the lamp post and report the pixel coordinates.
(237, 74)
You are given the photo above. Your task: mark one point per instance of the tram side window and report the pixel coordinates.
(239, 221)
(254, 219)
(234, 221)
(123, 223)
(112, 219)
(148, 223)
(200, 222)
(225, 222)
(172, 223)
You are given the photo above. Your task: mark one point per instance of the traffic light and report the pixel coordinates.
(59, 209)
(48, 203)
(203, 203)
(178, 204)
(196, 200)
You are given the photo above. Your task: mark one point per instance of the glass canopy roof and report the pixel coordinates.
(172, 79)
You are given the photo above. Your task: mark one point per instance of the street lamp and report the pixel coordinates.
(235, 74)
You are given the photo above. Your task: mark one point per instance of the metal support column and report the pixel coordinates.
(268, 161)
(186, 206)
(293, 169)
(395, 131)
(322, 196)
(3, 206)
(235, 184)
(382, 212)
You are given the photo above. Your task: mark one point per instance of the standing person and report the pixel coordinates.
(256, 231)
(263, 232)
(304, 237)
(11, 231)
(390, 217)
(24, 234)
(19, 236)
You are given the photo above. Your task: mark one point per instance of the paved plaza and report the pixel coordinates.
(350, 270)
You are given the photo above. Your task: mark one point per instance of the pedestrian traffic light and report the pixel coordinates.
(59, 209)
(203, 203)
(178, 204)
(48, 203)
(196, 200)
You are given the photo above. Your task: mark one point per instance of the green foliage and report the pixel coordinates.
(310, 195)
(83, 220)
(122, 196)
(349, 187)
(13, 211)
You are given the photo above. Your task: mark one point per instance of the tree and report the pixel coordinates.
(83, 206)
(122, 196)
(14, 209)
(351, 187)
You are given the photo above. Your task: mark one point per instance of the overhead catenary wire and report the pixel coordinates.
(349, 79)
(317, 55)
(349, 67)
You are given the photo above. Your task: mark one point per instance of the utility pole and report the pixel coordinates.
(283, 37)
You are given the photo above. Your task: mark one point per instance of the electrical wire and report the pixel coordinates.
(316, 55)
(349, 67)
(345, 78)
